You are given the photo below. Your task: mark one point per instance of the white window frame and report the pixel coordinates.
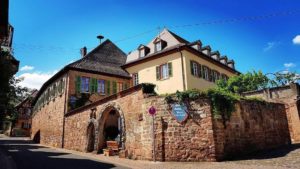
(158, 46)
(195, 69)
(101, 86)
(164, 69)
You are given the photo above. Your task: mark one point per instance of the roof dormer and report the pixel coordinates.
(223, 60)
(143, 50)
(196, 45)
(215, 55)
(206, 50)
(159, 44)
(230, 63)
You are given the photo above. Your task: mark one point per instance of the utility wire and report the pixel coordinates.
(221, 21)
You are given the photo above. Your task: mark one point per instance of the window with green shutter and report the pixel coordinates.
(125, 86)
(114, 87)
(77, 84)
(108, 87)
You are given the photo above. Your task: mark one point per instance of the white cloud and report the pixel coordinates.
(271, 45)
(26, 68)
(35, 80)
(289, 65)
(296, 40)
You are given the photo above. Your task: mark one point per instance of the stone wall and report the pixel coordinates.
(289, 96)
(130, 104)
(252, 127)
(48, 122)
(190, 141)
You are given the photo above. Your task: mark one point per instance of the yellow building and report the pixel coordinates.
(173, 63)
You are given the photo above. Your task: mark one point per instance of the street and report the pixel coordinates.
(27, 155)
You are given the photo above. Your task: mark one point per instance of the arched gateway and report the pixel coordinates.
(109, 126)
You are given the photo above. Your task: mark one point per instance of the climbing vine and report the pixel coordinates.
(223, 102)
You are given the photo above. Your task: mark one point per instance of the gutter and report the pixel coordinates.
(182, 69)
(65, 111)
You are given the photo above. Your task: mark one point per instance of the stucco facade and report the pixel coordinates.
(180, 54)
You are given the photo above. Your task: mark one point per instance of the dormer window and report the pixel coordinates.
(159, 44)
(143, 50)
(142, 53)
(223, 60)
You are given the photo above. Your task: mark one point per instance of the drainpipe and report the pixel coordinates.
(182, 69)
(65, 110)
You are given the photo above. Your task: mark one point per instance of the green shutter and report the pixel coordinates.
(209, 74)
(108, 87)
(114, 87)
(77, 84)
(203, 72)
(199, 70)
(170, 69)
(191, 64)
(93, 85)
(157, 73)
(125, 86)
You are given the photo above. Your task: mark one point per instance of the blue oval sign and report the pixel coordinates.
(180, 112)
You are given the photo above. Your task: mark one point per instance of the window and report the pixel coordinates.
(195, 69)
(119, 86)
(216, 76)
(158, 46)
(85, 84)
(224, 77)
(205, 73)
(164, 71)
(135, 79)
(101, 87)
(142, 52)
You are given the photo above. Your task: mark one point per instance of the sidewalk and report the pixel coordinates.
(139, 164)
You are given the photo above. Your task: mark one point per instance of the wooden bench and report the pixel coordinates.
(111, 145)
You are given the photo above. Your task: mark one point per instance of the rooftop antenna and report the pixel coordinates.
(158, 28)
(100, 37)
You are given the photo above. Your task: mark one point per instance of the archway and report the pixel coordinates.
(37, 137)
(111, 127)
(90, 138)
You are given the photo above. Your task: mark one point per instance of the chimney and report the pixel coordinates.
(83, 51)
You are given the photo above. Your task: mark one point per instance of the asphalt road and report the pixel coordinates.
(27, 155)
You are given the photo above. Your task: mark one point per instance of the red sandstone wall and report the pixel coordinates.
(49, 121)
(190, 141)
(253, 126)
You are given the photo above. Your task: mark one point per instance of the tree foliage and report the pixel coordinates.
(244, 82)
(284, 78)
(10, 92)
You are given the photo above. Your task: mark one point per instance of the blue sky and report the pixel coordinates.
(49, 34)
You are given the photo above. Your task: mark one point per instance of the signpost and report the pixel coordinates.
(179, 112)
(152, 112)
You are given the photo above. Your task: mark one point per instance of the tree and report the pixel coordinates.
(244, 82)
(10, 92)
(284, 78)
